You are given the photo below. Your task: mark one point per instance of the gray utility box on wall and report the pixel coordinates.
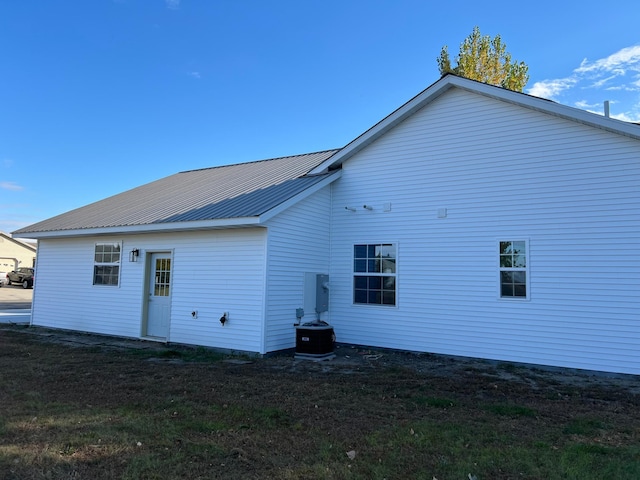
(322, 293)
(315, 341)
(316, 292)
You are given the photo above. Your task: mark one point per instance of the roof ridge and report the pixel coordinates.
(334, 150)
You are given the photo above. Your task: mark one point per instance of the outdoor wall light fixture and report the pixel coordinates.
(133, 255)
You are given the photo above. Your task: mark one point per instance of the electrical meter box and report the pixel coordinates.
(316, 292)
(322, 293)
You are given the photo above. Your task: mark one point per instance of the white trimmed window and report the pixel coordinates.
(106, 264)
(374, 274)
(514, 274)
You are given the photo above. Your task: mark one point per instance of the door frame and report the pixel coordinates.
(146, 292)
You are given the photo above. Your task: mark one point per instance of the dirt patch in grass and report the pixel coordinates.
(83, 406)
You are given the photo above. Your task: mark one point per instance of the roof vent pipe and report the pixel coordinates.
(606, 108)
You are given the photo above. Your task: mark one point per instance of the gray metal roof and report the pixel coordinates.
(231, 191)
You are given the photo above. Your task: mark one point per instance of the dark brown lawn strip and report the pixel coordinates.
(112, 410)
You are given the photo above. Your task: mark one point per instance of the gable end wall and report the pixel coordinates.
(502, 172)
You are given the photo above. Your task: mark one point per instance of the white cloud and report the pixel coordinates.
(616, 77)
(600, 83)
(599, 73)
(195, 75)
(551, 88)
(585, 105)
(617, 63)
(14, 187)
(625, 117)
(172, 4)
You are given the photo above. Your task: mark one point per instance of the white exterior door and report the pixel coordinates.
(158, 311)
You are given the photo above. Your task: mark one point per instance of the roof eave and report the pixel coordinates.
(148, 228)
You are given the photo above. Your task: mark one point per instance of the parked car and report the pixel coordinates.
(3, 278)
(22, 276)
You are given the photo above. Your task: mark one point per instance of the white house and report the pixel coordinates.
(472, 221)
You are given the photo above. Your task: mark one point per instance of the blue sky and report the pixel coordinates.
(100, 96)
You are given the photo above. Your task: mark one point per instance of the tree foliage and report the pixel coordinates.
(485, 59)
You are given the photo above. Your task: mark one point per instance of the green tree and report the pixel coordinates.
(485, 59)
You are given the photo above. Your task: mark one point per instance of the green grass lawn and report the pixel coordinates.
(95, 413)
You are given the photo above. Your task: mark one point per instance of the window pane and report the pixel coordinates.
(374, 288)
(163, 274)
(519, 277)
(505, 247)
(388, 251)
(506, 290)
(374, 297)
(389, 283)
(519, 261)
(106, 253)
(105, 275)
(360, 296)
(519, 290)
(519, 247)
(375, 283)
(388, 298)
(389, 265)
(513, 269)
(373, 266)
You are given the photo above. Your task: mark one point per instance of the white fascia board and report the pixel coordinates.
(299, 197)
(549, 107)
(150, 228)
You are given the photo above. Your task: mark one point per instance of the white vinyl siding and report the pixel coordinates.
(212, 272)
(500, 171)
(216, 272)
(66, 298)
(298, 243)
